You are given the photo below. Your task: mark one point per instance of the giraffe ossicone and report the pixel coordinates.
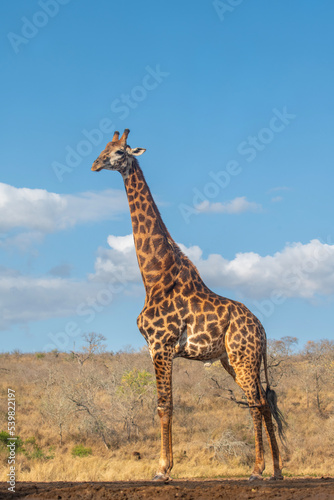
(182, 317)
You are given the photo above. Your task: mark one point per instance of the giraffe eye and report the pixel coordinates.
(119, 152)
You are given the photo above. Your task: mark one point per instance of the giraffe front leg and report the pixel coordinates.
(163, 371)
(166, 454)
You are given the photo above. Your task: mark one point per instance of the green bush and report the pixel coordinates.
(4, 435)
(136, 381)
(32, 450)
(80, 451)
(31, 440)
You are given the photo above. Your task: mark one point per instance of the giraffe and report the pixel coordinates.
(182, 317)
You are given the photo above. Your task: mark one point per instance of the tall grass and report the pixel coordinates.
(109, 407)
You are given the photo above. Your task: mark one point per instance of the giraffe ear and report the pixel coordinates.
(137, 151)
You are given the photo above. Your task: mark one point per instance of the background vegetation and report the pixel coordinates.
(91, 415)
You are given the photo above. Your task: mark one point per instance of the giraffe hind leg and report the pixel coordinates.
(269, 428)
(248, 381)
(256, 413)
(225, 362)
(260, 411)
(270, 432)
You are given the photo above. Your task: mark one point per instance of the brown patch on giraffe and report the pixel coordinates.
(213, 330)
(180, 303)
(221, 310)
(167, 307)
(155, 264)
(175, 270)
(167, 280)
(234, 345)
(139, 243)
(175, 331)
(240, 321)
(195, 305)
(200, 320)
(172, 318)
(203, 338)
(208, 307)
(150, 312)
(211, 317)
(145, 248)
(233, 328)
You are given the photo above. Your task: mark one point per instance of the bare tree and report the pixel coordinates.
(319, 357)
(228, 446)
(279, 357)
(57, 409)
(94, 345)
(88, 393)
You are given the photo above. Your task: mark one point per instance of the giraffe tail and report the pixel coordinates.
(271, 398)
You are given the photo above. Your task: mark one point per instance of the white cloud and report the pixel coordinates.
(39, 211)
(119, 263)
(61, 271)
(299, 270)
(27, 298)
(194, 252)
(94, 206)
(23, 240)
(236, 206)
(121, 243)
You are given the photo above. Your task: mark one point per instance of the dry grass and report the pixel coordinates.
(123, 417)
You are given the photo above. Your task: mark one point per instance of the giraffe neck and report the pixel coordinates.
(157, 253)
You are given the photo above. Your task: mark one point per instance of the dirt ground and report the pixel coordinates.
(296, 489)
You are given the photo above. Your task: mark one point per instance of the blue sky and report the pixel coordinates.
(234, 103)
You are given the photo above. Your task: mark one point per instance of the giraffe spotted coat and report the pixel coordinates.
(182, 317)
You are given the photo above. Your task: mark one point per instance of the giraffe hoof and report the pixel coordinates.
(276, 478)
(255, 477)
(164, 478)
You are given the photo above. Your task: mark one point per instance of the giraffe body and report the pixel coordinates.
(182, 317)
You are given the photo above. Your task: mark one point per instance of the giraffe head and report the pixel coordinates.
(117, 154)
